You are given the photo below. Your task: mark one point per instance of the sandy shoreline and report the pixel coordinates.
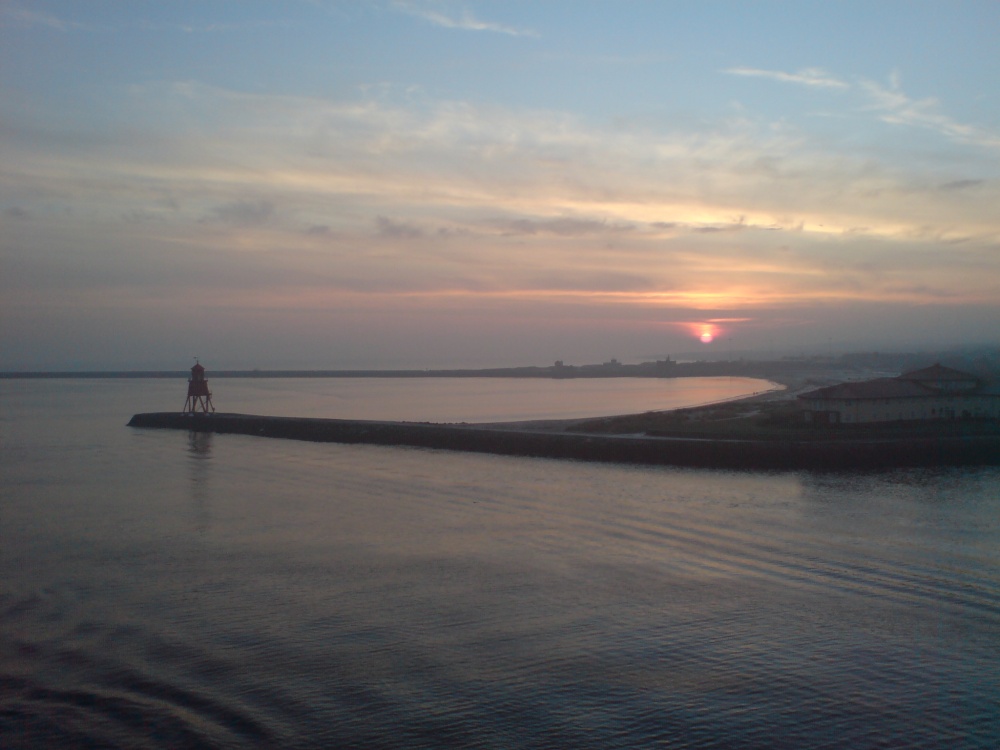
(785, 389)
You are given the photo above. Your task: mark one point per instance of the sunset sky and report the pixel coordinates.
(432, 184)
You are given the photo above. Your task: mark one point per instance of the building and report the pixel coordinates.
(935, 392)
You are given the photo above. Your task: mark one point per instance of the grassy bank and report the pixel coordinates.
(776, 419)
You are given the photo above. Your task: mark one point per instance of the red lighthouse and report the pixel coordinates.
(199, 397)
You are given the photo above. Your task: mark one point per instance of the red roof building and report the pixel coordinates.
(935, 392)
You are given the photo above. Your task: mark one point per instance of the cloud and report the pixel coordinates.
(962, 184)
(562, 227)
(41, 19)
(466, 21)
(245, 213)
(211, 28)
(815, 77)
(894, 106)
(737, 225)
(398, 230)
(899, 109)
(460, 165)
(25, 17)
(465, 202)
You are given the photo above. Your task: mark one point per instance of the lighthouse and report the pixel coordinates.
(199, 397)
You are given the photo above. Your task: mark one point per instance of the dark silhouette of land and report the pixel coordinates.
(601, 440)
(760, 432)
(812, 370)
(764, 431)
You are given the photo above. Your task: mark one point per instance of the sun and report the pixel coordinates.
(705, 331)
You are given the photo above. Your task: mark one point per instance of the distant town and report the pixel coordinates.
(983, 362)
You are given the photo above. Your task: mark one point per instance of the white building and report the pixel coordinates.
(935, 392)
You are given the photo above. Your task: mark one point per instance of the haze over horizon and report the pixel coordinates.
(401, 184)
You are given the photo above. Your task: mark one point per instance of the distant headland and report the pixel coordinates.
(764, 431)
(817, 369)
(612, 369)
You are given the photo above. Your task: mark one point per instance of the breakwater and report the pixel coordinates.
(844, 453)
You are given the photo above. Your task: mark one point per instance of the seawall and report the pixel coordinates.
(707, 453)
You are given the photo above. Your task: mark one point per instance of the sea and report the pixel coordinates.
(166, 589)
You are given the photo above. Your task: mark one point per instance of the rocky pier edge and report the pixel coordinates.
(763, 454)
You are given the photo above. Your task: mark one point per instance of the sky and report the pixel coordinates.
(421, 183)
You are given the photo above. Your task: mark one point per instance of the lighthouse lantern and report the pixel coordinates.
(199, 398)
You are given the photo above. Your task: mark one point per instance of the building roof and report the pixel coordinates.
(879, 388)
(914, 384)
(938, 372)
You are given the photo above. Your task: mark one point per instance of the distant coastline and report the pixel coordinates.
(764, 369)
(763, 431)
(606, 370)
(792, 371)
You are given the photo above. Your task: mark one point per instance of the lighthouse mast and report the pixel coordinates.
(199, 398)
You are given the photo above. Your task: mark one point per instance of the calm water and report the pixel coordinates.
(165, 589)
(450, 399)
